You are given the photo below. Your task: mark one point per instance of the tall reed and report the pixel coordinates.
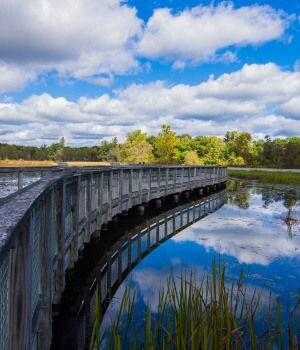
(206, 313)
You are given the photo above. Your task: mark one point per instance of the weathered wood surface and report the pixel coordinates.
(45, 225)
(18, 177)
(19, 329)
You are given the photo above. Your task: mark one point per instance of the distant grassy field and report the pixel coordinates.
(87, 163)
(26, 163)
(267, 176)
(44, 163)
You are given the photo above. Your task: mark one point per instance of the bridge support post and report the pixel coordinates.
(176, 198)
(104, 226)
(141, 209)
(96, 234)
(186, 194)
(158, 203)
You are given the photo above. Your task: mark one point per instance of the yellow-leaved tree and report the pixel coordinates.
(165, 145)
(136, 149)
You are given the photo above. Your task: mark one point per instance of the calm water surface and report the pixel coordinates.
(258, 228)
(9, 182)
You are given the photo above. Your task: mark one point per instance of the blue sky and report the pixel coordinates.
(90, 70)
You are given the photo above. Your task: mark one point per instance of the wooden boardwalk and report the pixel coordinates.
(44, 227)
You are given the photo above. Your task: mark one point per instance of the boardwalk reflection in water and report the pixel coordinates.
(257, 230)
(116, 254)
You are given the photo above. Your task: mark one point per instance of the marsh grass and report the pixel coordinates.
(26, 163)
(88, 164)
(207, 313)
(46, 163)
(267, 176)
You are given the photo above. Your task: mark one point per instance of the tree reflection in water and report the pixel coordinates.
(241, 191)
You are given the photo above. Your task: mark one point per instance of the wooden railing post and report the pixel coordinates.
(120, 178)
(20, 180)
(110, 187)
(141, 185)
(19, 289)
(130, 188)
(63, 233)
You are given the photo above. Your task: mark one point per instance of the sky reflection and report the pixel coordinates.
(250, 232)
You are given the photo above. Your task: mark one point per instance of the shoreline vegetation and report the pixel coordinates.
(213, 311)
(236, 148)
(267, 176)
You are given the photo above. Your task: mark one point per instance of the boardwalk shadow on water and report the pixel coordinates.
(110, 258)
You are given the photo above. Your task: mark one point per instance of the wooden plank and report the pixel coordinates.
(60, 219)
(45, 324)
(110, 187)
(130, 188)
(19, 329)
(88, 206)
(20, 180)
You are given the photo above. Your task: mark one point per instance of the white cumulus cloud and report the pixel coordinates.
(94, 40)
(198, 34)
(261, 99)
(84, 39)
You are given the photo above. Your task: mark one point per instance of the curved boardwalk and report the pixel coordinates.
(44, 228)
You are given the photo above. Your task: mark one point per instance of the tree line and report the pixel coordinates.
(237, 148)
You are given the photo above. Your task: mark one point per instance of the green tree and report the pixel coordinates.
(56, 150)
(165, 145)
(210, 149)
(257, 151)
(136, 149)
(186, 144)
(292, 153)
(238, 147)
(273, 152)
(191, 158)
(108, 151)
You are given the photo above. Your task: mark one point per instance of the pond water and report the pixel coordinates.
(9, 181)
(258, 228)
(250, 226)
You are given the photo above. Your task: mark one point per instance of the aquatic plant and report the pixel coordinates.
(275, 177)
(210, 312)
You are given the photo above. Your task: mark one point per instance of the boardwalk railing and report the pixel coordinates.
(14, 179)
(44, 227)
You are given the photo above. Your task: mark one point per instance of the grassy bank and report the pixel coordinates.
(26, 163)
(44, 163)
(267, 176)
(208, 312)
(87, 164)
